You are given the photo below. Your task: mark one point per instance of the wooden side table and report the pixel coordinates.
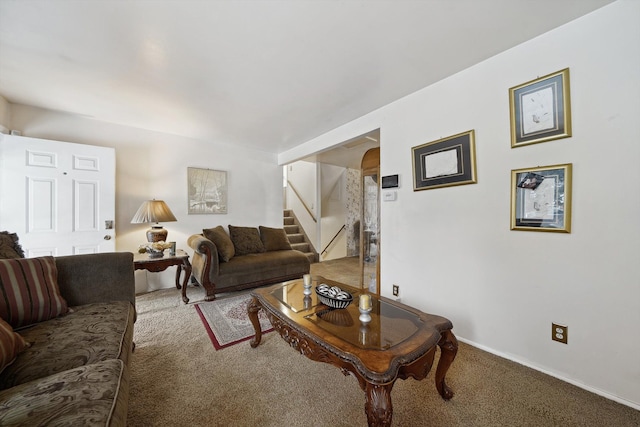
(180, 259)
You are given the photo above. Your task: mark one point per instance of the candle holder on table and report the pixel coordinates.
(365, 308)
(307, 284)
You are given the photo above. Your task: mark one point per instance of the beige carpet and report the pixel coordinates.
(178, 379)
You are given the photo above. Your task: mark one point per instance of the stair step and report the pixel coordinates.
(295, 238)
(302, 247)
(312, 257)
(291, 229)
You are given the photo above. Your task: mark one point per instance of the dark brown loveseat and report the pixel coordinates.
(245, 258)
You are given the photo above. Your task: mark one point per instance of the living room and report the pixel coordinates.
(451, 250)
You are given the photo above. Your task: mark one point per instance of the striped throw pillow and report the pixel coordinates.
(29, 291)
(11, 344)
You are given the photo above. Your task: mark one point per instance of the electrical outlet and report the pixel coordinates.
(559, 333)
(396, 289)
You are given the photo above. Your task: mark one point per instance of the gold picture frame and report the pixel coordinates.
(540, 109)
(446, 162)
(541, 198)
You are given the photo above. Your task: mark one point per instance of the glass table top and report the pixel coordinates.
(390, 324)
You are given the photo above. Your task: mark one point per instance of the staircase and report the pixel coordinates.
(297, 237)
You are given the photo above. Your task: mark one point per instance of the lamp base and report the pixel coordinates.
(157, 234)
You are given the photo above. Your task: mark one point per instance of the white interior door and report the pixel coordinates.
(59, 197)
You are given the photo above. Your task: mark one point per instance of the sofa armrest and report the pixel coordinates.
(205, 263)
(92, 278)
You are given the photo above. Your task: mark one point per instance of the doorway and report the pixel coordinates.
(338, 196)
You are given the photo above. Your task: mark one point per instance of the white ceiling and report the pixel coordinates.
(268, 74)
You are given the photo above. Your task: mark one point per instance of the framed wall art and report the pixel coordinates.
(540, 109)
(207, 191)
(445, 162)
(541, 198)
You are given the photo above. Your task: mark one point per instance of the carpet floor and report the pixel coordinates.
(179, 379)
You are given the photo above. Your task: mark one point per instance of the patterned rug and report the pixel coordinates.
(227, 322)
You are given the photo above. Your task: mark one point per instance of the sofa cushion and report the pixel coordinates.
(11, 343)
(274, 239)
(9, 246)
(95, 395)
(29, 291)
(246, 240)
(90, 333)
(221, 239)
(268, 267)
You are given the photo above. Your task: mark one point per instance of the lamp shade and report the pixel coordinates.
(154, 211)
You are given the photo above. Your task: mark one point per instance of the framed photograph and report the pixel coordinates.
(540, 109)
(207, 190)
(445, 162)
(541, 198)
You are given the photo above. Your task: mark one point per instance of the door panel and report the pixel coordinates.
(41, 205)
(37, 158)
(57, 196)
(85, 203)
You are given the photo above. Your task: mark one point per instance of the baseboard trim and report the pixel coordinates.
(583, 386)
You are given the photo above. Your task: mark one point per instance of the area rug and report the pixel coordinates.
(227, 322)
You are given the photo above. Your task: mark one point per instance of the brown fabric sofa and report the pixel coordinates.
(245, 258)
(76, 368)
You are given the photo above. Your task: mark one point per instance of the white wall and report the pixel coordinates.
(154, 165)
(4, 115)
(333, 205)
(451, 250)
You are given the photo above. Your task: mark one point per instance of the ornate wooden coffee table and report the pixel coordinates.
(399, 342)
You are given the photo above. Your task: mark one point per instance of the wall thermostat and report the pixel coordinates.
(390, 181)
(389, 196)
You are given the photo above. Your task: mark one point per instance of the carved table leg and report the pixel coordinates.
(178, 271)
(378, 406)
(252, 310)
(448, 349)
(187, 275)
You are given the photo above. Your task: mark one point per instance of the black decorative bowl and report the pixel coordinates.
(325, 297)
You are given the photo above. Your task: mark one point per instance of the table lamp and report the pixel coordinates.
(154, 211)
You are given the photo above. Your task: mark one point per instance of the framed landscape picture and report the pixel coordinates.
(207, 191)
(540, 109)
(445, 162)
(541, 198)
